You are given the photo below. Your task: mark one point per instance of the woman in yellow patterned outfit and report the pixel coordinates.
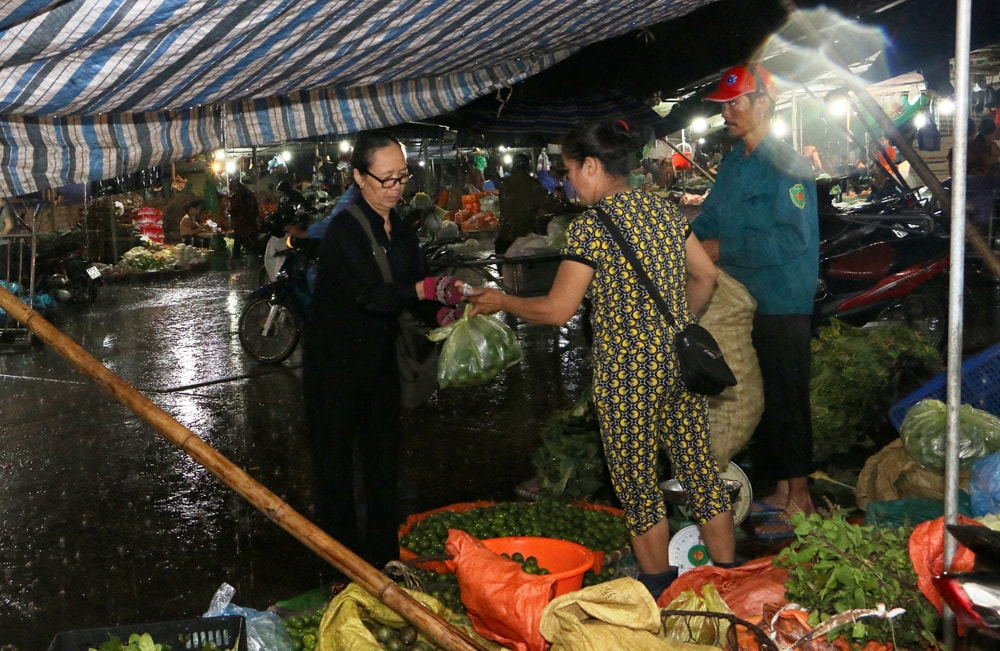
(641, 402)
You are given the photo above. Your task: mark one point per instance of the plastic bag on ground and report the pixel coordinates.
(475, 350)
(617, 614)
(926, 548)
(924, 429)
(745, 589)
(985, 485)
(265, 630)
(710, 631)
(504, 602)
(343, 629)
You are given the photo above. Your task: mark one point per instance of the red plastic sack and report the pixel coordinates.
(927, 555)
(745, 589)
(504, 602)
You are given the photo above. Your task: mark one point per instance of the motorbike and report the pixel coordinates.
(61, 266)
(271, 321)
(68, 276)
(885, 263)
(974, 597)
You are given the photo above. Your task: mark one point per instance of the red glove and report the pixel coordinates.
(448, 315)
(443, 289)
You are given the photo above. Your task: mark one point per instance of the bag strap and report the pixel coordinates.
(616, 235)
(380, 257)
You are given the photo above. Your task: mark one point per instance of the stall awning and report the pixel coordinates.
(93, 89)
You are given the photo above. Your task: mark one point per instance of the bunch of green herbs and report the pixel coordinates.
(835, 566)
(857, 374)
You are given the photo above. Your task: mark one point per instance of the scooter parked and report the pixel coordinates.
(68, 276)
(885, 263)
(271, 321)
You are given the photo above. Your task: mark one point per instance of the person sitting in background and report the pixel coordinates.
(882, 185)
(192, 224)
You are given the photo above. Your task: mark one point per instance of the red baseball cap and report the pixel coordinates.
(743, 80)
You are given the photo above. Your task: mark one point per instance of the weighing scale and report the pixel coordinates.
(687, 549)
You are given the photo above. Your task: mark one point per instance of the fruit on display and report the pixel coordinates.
(594, 528)
(303, 630)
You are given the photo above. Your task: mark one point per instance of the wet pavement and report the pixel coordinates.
(104, 522)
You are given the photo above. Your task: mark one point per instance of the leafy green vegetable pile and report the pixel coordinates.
(570, 463)
(143, 642)
(835, 566)
(856, 375)
(153, 257)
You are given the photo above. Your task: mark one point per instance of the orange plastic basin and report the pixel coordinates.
(566, 561)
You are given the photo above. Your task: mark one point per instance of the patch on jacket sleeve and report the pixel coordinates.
(798, 194)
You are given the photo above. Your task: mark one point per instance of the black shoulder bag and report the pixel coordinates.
(703, 368)
(416, 355)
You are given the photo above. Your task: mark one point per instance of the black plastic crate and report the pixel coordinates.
(226, 632)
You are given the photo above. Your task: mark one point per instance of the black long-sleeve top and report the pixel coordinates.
(352, 321)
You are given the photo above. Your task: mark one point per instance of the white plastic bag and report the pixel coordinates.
(265, 630)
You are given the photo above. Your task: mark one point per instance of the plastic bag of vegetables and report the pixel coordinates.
(475, 350)
(925, 426)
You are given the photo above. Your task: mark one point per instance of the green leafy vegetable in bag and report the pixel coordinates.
(925, 426)
(475, 350)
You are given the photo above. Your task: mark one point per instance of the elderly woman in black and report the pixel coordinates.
(350, 376)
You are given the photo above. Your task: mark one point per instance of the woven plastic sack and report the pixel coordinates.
(619, 614)
(892, 474)
(475, 350)
(342, 627)
(734, 413)
(504, 602)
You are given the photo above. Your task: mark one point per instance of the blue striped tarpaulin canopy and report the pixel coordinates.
(95, 89)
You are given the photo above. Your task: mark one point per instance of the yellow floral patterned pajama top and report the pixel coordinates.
(641, 402)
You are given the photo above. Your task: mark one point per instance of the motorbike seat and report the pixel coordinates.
(868, 263)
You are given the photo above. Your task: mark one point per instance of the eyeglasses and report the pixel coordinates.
(392, 181)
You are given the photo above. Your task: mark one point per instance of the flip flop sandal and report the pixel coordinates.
(761, 510)
(777, 529)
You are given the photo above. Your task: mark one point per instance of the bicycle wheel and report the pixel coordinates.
(269, 331)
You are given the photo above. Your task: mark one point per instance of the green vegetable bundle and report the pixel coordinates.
(925, 426)
(835, 566)
(856, 375)
(475, 350)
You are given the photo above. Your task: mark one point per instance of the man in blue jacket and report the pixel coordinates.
(763, 212)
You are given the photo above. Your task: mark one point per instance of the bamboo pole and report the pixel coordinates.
(917, 164)
(382, 587)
